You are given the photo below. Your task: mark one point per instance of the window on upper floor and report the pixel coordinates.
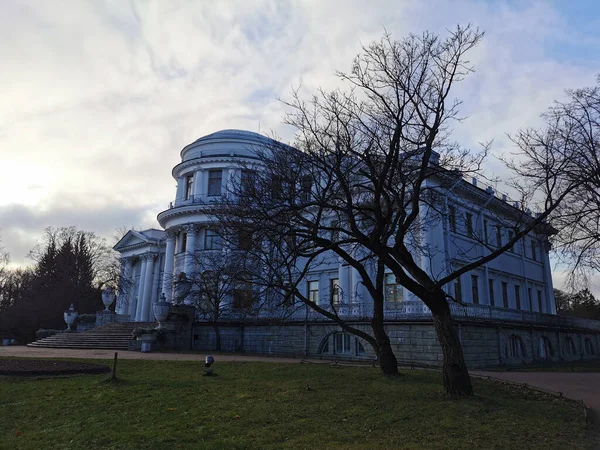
(533, 250)
(248, 182)
(457, 290)
(530, 298)
(517, 296)
(475, 289)
(469, 224)
(313, 291)
(505, 294)
(393, 290)
(539, 299)
(485, 232)
(305, 189)
(498, 236)
(334, 289)
(214, 182)
(452, 218)
(212, 240)
(189, 185)
(491, 291)
(183, 242)
(511, 235)
(245, 239)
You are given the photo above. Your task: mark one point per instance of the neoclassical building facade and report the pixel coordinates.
(514, 288)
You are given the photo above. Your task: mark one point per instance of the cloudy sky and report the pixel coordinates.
(99, 97)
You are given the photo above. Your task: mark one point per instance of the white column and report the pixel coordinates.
(168, 270)
(140, 291)
(154, 296)
(147, 298)
(190, 250)
(199, 183)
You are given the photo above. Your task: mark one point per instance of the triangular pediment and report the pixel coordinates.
(131, 238)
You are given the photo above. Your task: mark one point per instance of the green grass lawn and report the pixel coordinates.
(169, 405)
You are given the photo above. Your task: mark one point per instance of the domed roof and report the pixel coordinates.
(234, 134)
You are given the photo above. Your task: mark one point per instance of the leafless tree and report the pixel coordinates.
(569, 144)
(369, 176)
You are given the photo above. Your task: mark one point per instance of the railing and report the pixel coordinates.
(416, 310)
(197, 199)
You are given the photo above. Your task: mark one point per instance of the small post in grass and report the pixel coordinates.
(114, 369)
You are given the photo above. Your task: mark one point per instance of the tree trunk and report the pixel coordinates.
(217, 337)
(387, 360)
(457, 382)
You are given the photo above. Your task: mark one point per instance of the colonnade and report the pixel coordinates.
(136, 301)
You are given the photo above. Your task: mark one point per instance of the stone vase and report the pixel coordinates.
(70, 316)
(108, 297)
(161, 312)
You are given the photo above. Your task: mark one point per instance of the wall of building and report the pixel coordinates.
(484, 344)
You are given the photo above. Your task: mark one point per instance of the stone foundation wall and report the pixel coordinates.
(484, 344)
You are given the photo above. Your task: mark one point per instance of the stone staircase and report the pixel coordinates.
(112, 336)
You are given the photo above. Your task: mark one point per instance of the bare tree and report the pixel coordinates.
(569, 144)
(370, 176)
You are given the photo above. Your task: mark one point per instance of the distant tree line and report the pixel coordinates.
(579, 304)
(70, 267)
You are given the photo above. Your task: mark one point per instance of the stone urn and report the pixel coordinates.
(108, 297)
(70, 316)
(161, 310)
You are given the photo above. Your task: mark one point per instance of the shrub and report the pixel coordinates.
(43, 333)
(86, 318)
(160, 333)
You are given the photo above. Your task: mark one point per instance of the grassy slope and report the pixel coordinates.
(160, 405)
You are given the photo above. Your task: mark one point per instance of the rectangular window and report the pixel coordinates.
(511, 235)
(539, 296)
(247, 182)
(485, 232)
(212, 240)
(498, 236)
(491, 289)
(243, 294)
(245, 239)
(276, 187)
(313, 292)
(475, 289)
(505, 294)
(183, 242)
(305, 189)
(457, 290)
(214, 182)
(452, 218)
(334, 289)
(393, 291)
(189, 184)
(533, 250)
(518, 296)
(469, 224)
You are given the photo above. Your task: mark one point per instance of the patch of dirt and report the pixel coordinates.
(39, 367)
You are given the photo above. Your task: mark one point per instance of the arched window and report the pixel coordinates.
(341, 343)
(545, 349)
(516, 349)
(589, 347)
(570, 349)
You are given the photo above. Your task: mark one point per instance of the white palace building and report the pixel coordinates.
(509, 316)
